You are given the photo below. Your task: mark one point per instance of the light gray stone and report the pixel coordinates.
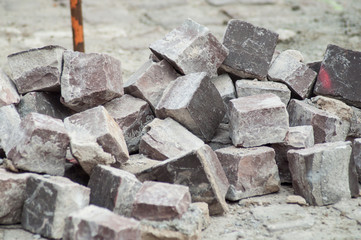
(95, 138)
(93, 223)
(194, 102)
(37, 69)
(257, 120)
(113, 189)
(9, 124)
(89, 80)
(246, 88)
(320, 173)
(191, 48)
(39, 145)
(131, 114)
(138, 163)
(250, 171)
(164, 139)
(333, 106)
(8, 92)
(49, 201)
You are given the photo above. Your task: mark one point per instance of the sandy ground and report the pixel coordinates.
(125, 29)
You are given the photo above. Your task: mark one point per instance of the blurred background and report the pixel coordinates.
(125, 28)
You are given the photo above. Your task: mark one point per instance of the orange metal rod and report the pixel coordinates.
(77, 25)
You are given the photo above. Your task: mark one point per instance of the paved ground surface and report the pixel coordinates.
(125, 28)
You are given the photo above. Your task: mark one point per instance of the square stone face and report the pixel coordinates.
(250, 49)
(191, 48)
(339, 75)
(257, 120)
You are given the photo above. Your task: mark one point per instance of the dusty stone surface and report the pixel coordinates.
(194, 102)
(150, 81)
(333, 106)
(250, 49)
(48, 201)
(37, 69)
(327, 127)
(95, 138)
(201, 171)
(93, 222)
(113, 189)
(246, 88)
(89, 80)
(39, 145)
(191, 48)
(160, 201)
(138, 163)
(320, 173)
(250, 171)
(164, 139)
(355, 127)
(257, 120)
(9, 124)
(131, 114)
(8, 92)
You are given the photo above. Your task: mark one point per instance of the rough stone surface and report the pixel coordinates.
(250, 171)
(286, 68)
(355, 127)
(161, 201)
(246, 88)
(334, 106)
(221, 138)
(40, 145)
(8, 91)
(89, 80)
(283, 217)
(258, 120)
(138, 163)
(95, 138)
(339, 75)
(12, 195)
(166, 138)
(113, 189)
(320, 174)
(44, 103)
(94, 223)
(188, 227)
(194, 102)
(201, 171)
(131, 114)
(191, 48)
(296, 138)
(49, 200)
(250, 49)
(356, 155)
(9, 124)
(150, 81)
(37, 69)
(326, 126)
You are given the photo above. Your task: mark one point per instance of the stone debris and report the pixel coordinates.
(42, 102)
(191, 48)
(295, 199)
(287, 68)
(48, 201)
(320, 173)
(201, 171)
(194, 102)
(95, 138)
(250, 49)
(327, 127)
(94, 222)
(113, 189)
(285, 35)
(39, 145)
(131, 114)
(37, 69)
(12, 195)
(164, 139)
(257, 120)
(150, 81)
(160, 201)
(89, 80)
(246, 88)
(8, 92)
(250, 171)
(339, 75)
(296, 138)
(9, 125)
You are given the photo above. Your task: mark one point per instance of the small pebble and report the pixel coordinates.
(295, 199)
